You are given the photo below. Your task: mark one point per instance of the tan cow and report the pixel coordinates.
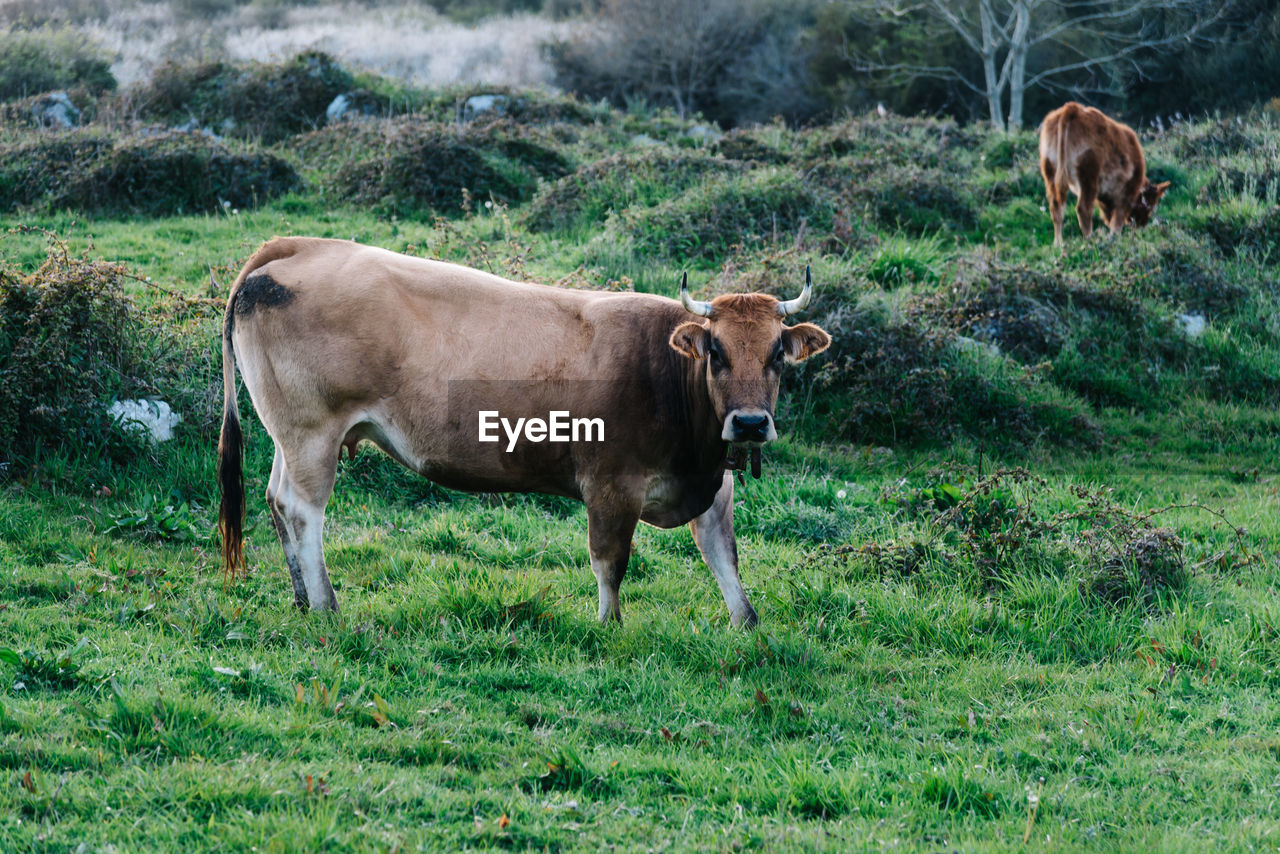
(338, 342)
(1099, 160)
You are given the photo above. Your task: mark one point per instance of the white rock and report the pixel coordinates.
(337, 108)
(1193, 324)
(55, 111)
(151, 419)
(478, 105)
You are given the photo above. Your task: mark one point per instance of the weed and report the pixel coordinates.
(46, 670)
(159, 519)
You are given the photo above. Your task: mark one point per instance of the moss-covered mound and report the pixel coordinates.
(157, 175)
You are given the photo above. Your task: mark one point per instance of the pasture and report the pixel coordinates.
(1014, 557)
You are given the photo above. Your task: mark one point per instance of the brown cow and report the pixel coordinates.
(1100, 161)
(338, 342)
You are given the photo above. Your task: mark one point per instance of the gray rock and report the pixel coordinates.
(55, 111)
(478, 105)
(1193, 324)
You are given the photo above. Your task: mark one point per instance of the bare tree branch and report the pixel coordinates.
(1006, 34)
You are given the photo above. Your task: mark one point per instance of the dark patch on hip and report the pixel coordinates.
(260, 291)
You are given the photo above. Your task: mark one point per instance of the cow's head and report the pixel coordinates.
(744, 344)
(1145, 205)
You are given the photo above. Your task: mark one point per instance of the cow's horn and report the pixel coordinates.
(791, 306)
(691, 305)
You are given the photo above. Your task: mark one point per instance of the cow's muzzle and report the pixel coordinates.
(749, 427)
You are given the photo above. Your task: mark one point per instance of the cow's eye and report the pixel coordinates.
(716, 356)
(778, 355)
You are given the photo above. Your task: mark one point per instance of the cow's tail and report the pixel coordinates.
(231, 441)
(231, 459)
(1060, 177)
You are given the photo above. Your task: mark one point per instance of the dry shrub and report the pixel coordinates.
(69, 343)
(725, 214)
(894, 378)
(157, 175)
(906, 197)
(1139, 568)
(620, 181)
(409, 165)
(926, 143)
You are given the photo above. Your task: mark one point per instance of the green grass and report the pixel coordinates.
(923, 678)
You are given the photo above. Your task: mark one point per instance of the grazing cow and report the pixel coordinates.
(435, 363)
(1100, 161)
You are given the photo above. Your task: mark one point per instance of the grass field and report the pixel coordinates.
(1014, 560)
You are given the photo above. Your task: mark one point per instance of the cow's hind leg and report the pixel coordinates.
(300, 486)
(713, 532)
(1088, 172)
(284, 533)
(609, 532)
(1056, 197)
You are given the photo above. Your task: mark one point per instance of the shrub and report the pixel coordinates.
(31, 171)
(68, 345)
(1241, 224)
(895, 379)
(42, 60)
(249, 101)
(725, 213)
(620, 181)
(408, 165)
(770, 144)
(904, 197)
(926, 143)
(157, 175)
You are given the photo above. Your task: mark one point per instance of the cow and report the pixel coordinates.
(338, 342)
(1099, 160)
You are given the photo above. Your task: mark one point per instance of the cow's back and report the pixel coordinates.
(1080, 142)
(355, 334)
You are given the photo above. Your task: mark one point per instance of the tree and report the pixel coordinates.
(704, 56)
(1021, 45)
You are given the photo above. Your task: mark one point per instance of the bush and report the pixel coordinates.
(32, 171)
(158, 175)
(68, 345)
(249, 101)
(409, 165)
(926, 143)
(38, 61)
(726, 213)
(895, 379)
(1120, 344)
(620, 181)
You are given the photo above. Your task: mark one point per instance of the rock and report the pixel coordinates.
(1193, 324)
(356, 104)
(478, 105)
(704, 133)
(55, 111)
(153, 420)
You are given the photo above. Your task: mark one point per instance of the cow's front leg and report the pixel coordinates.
(609, 531)
(713, 532)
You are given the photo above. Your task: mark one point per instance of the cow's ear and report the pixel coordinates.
(691, 339)
(804, 340)
(1161, 187)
